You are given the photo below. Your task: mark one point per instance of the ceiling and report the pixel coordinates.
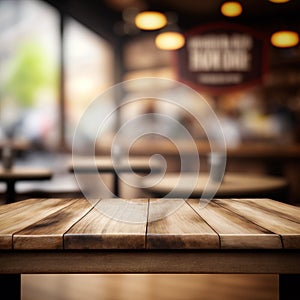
(191, 12)
(106, 17)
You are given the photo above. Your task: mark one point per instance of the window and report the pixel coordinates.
(88, 73)
(29, 72)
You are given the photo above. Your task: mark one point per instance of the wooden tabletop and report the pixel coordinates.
(248, 150)
(24, 173)
(106, 164)
(258, 236)
(15, 174)
(74, 224)
(16, 144)
(233, 184)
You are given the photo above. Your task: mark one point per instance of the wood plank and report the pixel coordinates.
(112, 224)
(268, 218)
(285, 210)
(27, 212)
(173, 224)
(48, 232)
(235, 231)
(18, 205)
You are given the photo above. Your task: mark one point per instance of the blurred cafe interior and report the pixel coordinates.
(61, 59)
(57, 57)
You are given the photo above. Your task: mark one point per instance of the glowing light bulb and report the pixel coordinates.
(231, 9)
(169, 40)
(285, 39)
(150, 20)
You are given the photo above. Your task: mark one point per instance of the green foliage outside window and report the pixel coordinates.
(30, 71)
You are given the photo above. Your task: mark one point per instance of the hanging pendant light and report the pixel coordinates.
(170, 39)
(285, 39)
(150, 20)
(279, 1)
(231, 9)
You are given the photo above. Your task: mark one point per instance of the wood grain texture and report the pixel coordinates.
(17, 216)
(235, 231)
(112, 224)
(268, 218)
(40, 224)
(284, 210)
(158, 261)
(48, 232)
(177, 226)
(18, 205)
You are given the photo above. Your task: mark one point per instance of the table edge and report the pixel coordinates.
(156, 261)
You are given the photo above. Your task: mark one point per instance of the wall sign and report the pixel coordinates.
(221, 57)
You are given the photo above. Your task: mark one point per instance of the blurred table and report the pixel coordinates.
(17, 145)
(265, 157)
(233, 185)
(11, 176)
(227, 236)
(106, 164)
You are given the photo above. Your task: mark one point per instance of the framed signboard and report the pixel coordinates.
(222, 57)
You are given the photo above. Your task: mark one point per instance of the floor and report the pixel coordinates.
(130, 286)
